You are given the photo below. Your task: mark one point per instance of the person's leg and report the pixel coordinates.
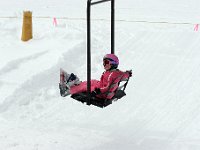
(82, 87)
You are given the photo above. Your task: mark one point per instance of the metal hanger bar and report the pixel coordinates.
(88, 53)
(102, 1)
(89, 4)
(112, 27)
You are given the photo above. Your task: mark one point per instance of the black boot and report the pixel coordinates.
(71, 77)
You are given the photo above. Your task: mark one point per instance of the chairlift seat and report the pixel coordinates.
(99, 102)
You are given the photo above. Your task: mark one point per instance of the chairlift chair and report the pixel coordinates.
(86, 97)
(99, 102)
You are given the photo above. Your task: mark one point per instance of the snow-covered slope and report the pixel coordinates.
(155, 39)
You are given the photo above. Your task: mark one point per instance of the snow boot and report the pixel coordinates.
(66, 81)
(72, 80)
(64, 91)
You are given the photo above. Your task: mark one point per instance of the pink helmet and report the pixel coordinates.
(113, 59)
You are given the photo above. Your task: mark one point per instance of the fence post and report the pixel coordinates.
(27, 26)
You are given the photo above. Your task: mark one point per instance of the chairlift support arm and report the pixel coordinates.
(89, 4)
(97, 2)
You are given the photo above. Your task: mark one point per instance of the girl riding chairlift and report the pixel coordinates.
(104, 88)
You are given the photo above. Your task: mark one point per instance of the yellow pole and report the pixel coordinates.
(27, 26)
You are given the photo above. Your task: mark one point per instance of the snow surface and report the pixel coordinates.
(154, 38)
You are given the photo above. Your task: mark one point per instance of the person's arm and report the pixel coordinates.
(109, 82)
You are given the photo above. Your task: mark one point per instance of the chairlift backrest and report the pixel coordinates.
(113, 87)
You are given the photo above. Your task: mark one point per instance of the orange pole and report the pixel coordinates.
(27, 26)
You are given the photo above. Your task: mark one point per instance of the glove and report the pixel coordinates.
(96, 92)
(129, 72)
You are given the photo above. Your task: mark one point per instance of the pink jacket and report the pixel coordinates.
(107, 84)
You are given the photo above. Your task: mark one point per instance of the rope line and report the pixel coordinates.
(118, 20)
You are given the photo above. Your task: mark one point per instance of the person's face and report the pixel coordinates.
(106, 64)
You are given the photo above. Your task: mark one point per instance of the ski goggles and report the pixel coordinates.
(106, 62)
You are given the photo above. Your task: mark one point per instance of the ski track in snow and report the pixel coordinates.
(14, 64)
